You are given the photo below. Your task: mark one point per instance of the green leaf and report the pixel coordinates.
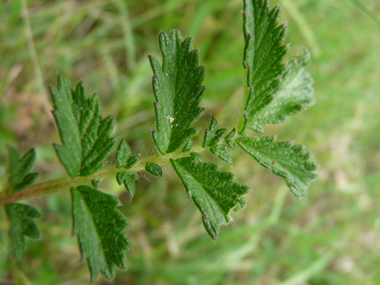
(154, 169)
(231, 144)
(123, 156)
(188, 146)
(263, 55)
(286, 159)
(20, 216)
(241, 204)
(101, 230)
(95, 182)
(84, 133)
(295, 95)
(228, 139)
(220, 151)
(178, 90)
(19, 169)
(128, 179)
(213, 191)
(230, 134)
(213, 135)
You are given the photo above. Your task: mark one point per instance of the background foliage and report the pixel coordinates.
(333, 237)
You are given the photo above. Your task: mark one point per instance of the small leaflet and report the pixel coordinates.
(241, 204)
(154, 169)
(95, 182)
(128, 179)
(22, 224)
(20, 168)
(188, 146)
(231, 144)
(101, 231)
(124, 159)
(220, 151)
(213, 192)
(213, 135)
(20, 215)
(228, 139)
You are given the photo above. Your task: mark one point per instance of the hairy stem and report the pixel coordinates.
(65, 183)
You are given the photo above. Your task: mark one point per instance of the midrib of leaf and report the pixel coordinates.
(65, 183)
(263, 55)
(259, 78)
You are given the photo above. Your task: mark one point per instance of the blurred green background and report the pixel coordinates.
(332, 237)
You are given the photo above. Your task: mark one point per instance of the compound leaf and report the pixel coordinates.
(295, 95)
(20, 216)
(19, 169)
(85, 135)
(263, 55)
(213, 192)
(101, 230)
(178, 91)
(288, 160)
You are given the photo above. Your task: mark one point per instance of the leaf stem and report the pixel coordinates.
(65, 183)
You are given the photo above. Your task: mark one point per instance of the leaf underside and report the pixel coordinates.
(285, 159)
(295, 95)
(178, 90)
(101, 230)
(213, 191)
(20, 216)
(85, 135)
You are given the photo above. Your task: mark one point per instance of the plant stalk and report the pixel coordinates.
(65, 183)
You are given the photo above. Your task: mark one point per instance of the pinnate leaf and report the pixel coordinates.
(213, 192)
(101, 230)
(19, 169)
(286, 159)
(263, 56)
(85, 135)
(21, 218)
(178, 90)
